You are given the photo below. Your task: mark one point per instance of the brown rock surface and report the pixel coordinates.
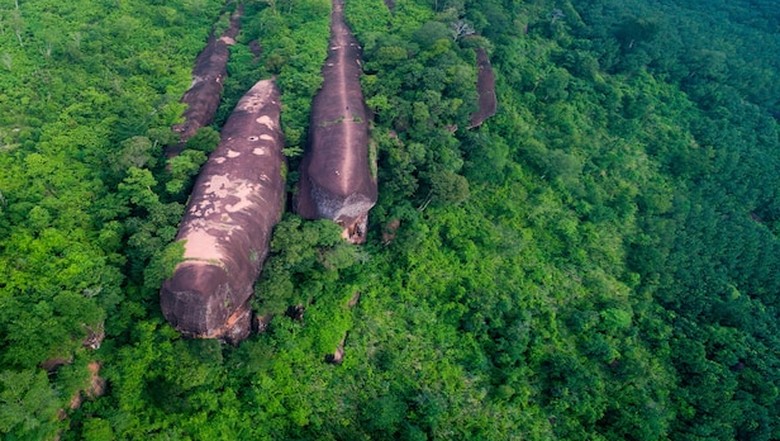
(337, 357)
(237, 199)
(353, 301)
(336, 181)
(52, 364)
(97, 387)
(205, 92)
(486, 88)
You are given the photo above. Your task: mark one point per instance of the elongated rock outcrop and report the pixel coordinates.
(336, 179)
(237, 199)
(205, 92)
(486, 89)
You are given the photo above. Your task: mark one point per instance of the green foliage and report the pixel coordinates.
(89, 91)
(28, 407)
(138, 152)
(294, 37)
(449, 188)
(138, 188)
(205, 140)
(97, 429)
(162, 264)
(597, 261)
(183, 169)
(304, 255)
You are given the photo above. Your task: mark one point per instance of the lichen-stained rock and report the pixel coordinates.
(237, 199)
(336, 179)
(205, 92)
(486, 89)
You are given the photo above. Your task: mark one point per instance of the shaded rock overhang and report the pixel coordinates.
(336, 179)
(237, 200)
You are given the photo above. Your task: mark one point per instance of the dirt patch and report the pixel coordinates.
(97, 387)
(205, 92)
(390, 4)
(237, 199)
(486, 89)
(336, 181)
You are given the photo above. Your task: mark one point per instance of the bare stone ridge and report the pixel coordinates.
(486, 88)
(205, 92)
(336, 181)
(237, 199)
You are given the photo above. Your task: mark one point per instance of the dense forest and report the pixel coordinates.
(598, 261)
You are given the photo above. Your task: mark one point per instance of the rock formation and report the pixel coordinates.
(486, 88)
(337, 357)
(336, 178)
(97, 387)
(237, 199)
(205, 92)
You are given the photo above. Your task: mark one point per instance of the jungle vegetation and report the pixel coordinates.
(598, 261)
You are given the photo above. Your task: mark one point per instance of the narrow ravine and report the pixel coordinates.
(336, 180)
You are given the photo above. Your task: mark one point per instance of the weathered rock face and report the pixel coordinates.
(237, 199)
(486, 88)
(203, 96)
(336, 180)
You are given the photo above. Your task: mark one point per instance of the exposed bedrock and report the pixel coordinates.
(237, 199)
(336, 180)
(205, 92)
(486, 89)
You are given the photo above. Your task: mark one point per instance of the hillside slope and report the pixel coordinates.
(597, 261)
